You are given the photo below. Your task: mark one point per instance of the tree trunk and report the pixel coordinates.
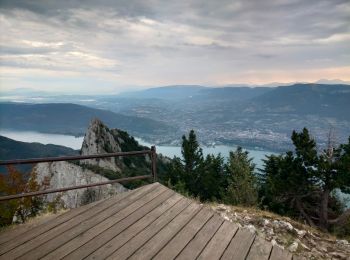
(303, 213)
(324, 209)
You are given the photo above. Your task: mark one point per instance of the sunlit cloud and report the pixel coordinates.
(118, 45)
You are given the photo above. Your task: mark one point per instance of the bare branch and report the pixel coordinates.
(341, 220)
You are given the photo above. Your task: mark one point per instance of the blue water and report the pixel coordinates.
(31, 137)
(224, 150)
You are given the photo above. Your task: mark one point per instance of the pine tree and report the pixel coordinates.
(211, 181)
(301, 183)
(194, 175)
(193, 160)
(242, 183)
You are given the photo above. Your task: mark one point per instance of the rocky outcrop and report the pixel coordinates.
(98, 140)
(63, 174)
(299, 239)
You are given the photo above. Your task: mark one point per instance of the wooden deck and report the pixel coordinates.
(149, 222)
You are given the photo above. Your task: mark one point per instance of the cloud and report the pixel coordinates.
(151, 42)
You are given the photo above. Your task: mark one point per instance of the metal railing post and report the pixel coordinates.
(154, 163)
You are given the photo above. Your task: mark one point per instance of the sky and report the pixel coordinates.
(117, 45)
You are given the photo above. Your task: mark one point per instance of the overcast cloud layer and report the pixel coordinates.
(108, 46)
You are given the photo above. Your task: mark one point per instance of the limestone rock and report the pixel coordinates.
(63, 174)
(343, 242)
(293, 247)
(286, 225)
(266, 222)
(99, 140)
(251, 228)
(306, 242)
(301, 233)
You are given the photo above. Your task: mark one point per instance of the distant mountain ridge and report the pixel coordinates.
(65, 118)
(11, 149)
(166, 92)
(320, 99)
(236, 92)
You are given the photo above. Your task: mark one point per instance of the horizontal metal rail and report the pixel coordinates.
(36, 193)
(152, 153)
(74, 158)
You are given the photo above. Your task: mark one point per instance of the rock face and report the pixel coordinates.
(98, 140)
(63, 174)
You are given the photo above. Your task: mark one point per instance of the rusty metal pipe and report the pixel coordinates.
(37, 193)
(73, 158)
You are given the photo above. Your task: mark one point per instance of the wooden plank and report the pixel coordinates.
(99, 235)
(135, 237)
(280, 254)
(261, 249)
(195, 247)
(38, 230)
(167, 211)
(217, 245)
(103, 221)
(32, 233)
(76, 220)
(156, 234)
(17, 230)
(193, 224)
(239, 245)
(176, 244)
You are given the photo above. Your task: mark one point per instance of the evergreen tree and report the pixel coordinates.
(193, 160)
(211, 178)
(194, 175)
(285, 185)
(191, 152)
(302, 183)
(241, 181)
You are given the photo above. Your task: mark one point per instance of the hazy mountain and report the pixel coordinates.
(71, 119)
(332, 81)
(194, 92)
(167, 92)
(304, 99)
(28, 92)
(11, 149)
(232, 93)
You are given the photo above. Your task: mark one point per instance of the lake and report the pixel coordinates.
(224, 150)
(31, 137)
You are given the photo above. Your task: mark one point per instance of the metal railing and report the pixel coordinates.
(152, 153)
